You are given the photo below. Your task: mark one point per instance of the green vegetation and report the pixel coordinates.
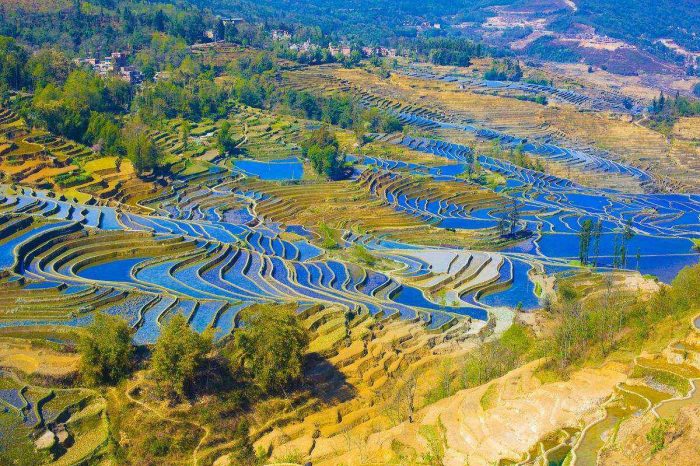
(75, 178)
(666, 111)
(225, 142)
(322, 149)
(106, 351)
(435, 437)
(142, 151)
(102, 26)
(589, 235)
(538, 99)
(363, 255)
(490, 397)
(269, 348)
(597, 326)
(509, 219)
(544, 48)
(66, 109)
(329, 236)
(505, 70)
(178, 355)
(657, 435)
(449, 51)
(489, 361)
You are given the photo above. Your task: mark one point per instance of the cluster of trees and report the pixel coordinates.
(589, 243)
(678, 106)
(589, 236)
(192, 99)
(266, 354)
(67, 108)
(665, 111)
(322, 149)
(450, 51)
(103, 26)
(538, 99)
(517, 156)
(490, 360)
(341, 110)
(643, 21)
(545, 48)
(22, 70)
(601, 323)
(504, 70)
(225, 141)
(76, 103)
(509, 220)
(315, 56)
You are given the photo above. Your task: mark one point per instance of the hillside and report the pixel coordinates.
(393, 232)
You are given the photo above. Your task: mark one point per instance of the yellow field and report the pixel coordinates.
(22, 356)
(631, 142)
(687, 128)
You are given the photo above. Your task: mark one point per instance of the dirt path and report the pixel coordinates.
(207, 430)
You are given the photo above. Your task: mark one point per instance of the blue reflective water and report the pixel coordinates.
(116, 271)
(278, 170)
(521, 292)
(411, 296)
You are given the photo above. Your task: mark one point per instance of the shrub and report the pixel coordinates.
(657, 435)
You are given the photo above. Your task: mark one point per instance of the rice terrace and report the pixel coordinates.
(349, 233)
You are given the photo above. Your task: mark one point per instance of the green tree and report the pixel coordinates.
(141, 150)
(49, 66)
(584, 241)
(326, 161)
(224, 139)
(178, 355)
(13, 61)
(106, 350)
(104, 134)
(597, 232)
(322, 149)
(185, 130)
(270, 347)
(513, 216)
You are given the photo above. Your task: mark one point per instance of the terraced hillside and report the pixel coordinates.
(227, 233)
(450, 100)
(437, 226)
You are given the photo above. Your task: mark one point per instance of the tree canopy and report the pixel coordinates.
(141, 150)
(106, 350)
(270, 347)
(322, 149)
(178, 355)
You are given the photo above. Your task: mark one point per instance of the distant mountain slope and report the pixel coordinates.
(633, 20)
(661, 32)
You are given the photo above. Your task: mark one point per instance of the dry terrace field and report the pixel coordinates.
(637, 145)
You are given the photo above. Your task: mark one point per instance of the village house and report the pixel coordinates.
(343, 50)
(113, 65)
